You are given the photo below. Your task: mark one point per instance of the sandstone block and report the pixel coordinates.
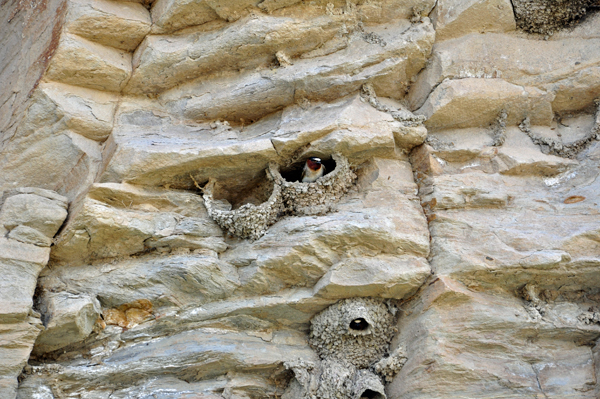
(386, 277)
(520, 61)
(172, 15)
(68, 319)
(174, 154)
(135, 216)
(87, 112)
(16, 341)
(552, 365)
(39, 213)
(80, 62)
(44, 153)
(350, 127)
(474, 102)
(255, 94)
(453, 18)
(115, 24)
(162, 62)
(175, 280)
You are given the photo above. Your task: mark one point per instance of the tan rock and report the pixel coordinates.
(474, 102)
(16, 341)
(453, 18)
(153, 282)
(80, 62)
(382, 276)
(162, 62)
(520, 61)
(87, 112)
(68, 319)
(173, 155)
(94, 224)
(255, 94)
(350, 127)
(445, 330)
(39, 213)
(64, 161)
(115, 24)
(171, 15)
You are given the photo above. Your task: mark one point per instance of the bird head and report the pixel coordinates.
(313, 163)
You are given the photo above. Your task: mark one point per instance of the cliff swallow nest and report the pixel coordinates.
(297, 198)
(549, 16)
(352, 338)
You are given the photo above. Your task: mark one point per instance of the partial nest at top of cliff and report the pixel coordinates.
(549, 16)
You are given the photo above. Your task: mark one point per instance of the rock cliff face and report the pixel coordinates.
(156, 243)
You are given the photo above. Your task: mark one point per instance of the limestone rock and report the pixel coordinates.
(42, 214)
(474, 102)
(183, 279)
(256, 94)
(68, 319)
(459, 18)
(80, 62)
(86, 112)
(520, 61)
(64, 161)
(116, 24)
(360, 277)
(136, 217)
(163, 62)
(551, 365)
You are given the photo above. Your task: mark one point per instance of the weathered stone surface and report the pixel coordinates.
(212, 354)
(140, 219)
(472, 102)
(480, 227)
(86, 112)
(386, 277)
(483, 344)
(147, 145)
(29, 37)
(453, 18)
(170, 15)
(571, 77)
(68, 319)
(162, 62)
(255, 94)
(164, 281)
(80, 62)
(16, 342)
(45, 153)
(116, 24)
(39, 213)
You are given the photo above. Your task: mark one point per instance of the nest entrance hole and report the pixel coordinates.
(370, 394)
(254, 191)
(359, 324)
(293, 173)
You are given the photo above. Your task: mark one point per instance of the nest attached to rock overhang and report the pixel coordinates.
(297, 198)
(318, 197)
(549, 16)
(248, 221)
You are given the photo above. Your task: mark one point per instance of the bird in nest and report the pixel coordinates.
(313, 169)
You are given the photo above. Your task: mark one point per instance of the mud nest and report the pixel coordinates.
(549, 16)
(248, 221)
(318, 197)
(295, 198)
(357, 331)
